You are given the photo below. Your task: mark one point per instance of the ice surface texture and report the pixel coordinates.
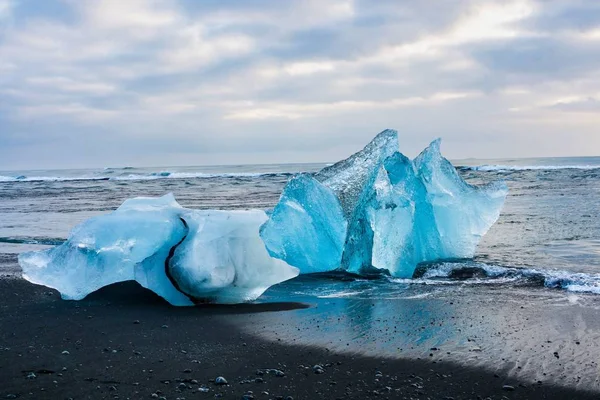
(183, 255)
(307, 226)
(379, 210)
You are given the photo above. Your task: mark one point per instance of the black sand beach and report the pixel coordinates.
(123, 342)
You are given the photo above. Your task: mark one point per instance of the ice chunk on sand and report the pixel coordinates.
(223, 258)
(307, 228)
(106, 249)
(141, 241)
(375, 210)
(398, 213)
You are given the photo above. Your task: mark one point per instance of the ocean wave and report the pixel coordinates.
(117, 168)
(480, 273)
(501, 168)
(23, 178)
(142, 177)
(32, 240)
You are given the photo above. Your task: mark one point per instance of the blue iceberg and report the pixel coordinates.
(185, 256)
(375, 211)
(396, 213)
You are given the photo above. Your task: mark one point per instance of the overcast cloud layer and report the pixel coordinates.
(185, 82)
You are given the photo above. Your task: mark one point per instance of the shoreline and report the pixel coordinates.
(125, 342)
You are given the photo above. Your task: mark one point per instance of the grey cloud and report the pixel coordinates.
(268, 81)
(555, 16)
(584, 105)
(541, 58)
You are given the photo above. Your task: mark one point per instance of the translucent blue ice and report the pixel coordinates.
(184, 256)
(352, 179)
(392, 214)
(223, 259)
(307, 226)
(398, 212)
(462, 213)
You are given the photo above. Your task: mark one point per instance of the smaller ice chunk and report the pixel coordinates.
(216, 256)
(223, 259)
(307, 228)
(462, 213)
(396, 213)
(105, 249)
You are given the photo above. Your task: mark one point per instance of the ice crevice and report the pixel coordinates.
(170, 256)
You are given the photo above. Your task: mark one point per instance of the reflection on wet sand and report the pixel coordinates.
(532, 334)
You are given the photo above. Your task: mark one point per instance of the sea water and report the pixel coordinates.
(548, 232)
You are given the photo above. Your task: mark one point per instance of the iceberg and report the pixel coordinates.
(397, 213)
(183, 255)
(377, 211)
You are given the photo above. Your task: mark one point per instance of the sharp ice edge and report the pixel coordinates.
(439, 274)
(185, 256)
(396, 213)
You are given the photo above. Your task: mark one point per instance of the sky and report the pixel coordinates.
(95, 83)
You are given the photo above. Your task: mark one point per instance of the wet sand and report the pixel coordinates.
(124, 342)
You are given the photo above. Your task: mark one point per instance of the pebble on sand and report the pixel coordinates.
(220, 380)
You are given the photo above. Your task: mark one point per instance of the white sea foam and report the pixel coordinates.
(491, 168)
(137, 177)
(337, 295)
(577, 282)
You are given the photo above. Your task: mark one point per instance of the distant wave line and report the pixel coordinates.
(141, 177)
(32, 240)
(494, 168)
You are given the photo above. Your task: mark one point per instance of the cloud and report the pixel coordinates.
(131, 15)
(589, 104)
(6, 7)
(250, 81)
(295, 111)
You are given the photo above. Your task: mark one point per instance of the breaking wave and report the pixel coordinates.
(437, 276)
(496, 168)
(480, 273)
(140, 177)
(32, 240)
